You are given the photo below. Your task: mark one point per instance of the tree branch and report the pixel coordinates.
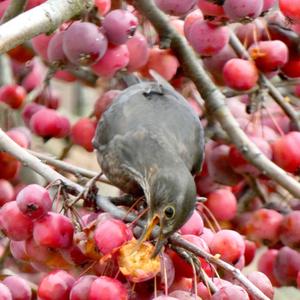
(28, 160)
(77, 171)
(44, 18)
(214, 99)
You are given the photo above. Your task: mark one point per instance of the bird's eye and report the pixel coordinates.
(169, 212)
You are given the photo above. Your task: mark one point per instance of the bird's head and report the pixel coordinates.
(172, 201)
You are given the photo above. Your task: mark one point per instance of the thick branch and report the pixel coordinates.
(214, 99)
(41, 19)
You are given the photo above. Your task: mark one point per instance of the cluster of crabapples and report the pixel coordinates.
(74, 253)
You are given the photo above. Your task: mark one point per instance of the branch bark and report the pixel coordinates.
(78, 171)
(44, 18)
(214, 99)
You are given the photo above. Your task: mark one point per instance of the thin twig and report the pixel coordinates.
(67, 167)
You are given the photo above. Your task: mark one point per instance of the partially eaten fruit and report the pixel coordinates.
(135, 261)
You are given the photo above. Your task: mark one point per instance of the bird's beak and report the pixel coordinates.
(149, 228)
(158, 246)
(147, 233)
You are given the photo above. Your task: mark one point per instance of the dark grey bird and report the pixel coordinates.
(150, 141)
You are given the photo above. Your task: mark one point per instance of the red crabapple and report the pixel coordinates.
(215, 64)
(289, 230)
(104, 102)
(250, 250)
(103, 6)
(190, 19)
(49, 98)
(261, 281)
(268, 4)
(55, 52)
(5, 293)
(34, 201)
(240, 74)
(111, 234)
(13, 95)
(292, 68)
(56, 286)
(163, 62)
(223, 204)
(81, 288)
(53, 230)
(82, 133)
(286, 152)
(251, 32)
(206, 38)
(40, 45)
(18, 250)
(205, 293)
(229, 244)
(287, 266)
(266, 265)
(114, 59)
(48, 123)
(138, 52)
(194, 225)
(17, 226)
(29, 110)
(111, 289)
(239, 9)
(230, 292)
(33, 3)
(210, 9)
(35, 77)
(269, 56)
(18, 287)
(119, 25)
(260, 220)
(6, 192)
(175, 7)
(9, 166)
(19, 136)
(290, 9)
(92, 45)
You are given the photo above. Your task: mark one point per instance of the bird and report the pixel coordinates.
(150, 142)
